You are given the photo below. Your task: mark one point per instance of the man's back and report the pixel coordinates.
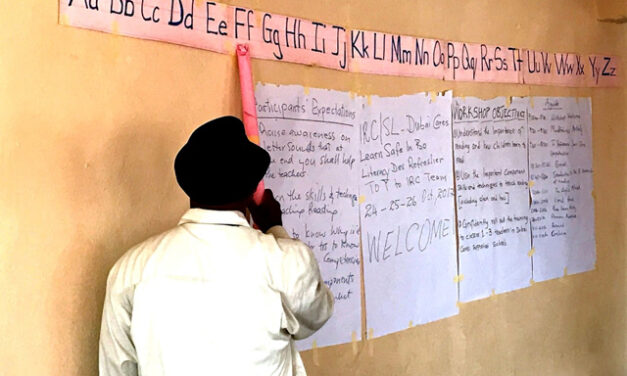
(212, 297)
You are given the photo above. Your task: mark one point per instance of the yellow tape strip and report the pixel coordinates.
(254, 138)
(508, 101)
(565, 271)
(531, 183)
(369, 100)
(531, 102)
(493, 293)
(531, 281)
(258, 17)
(458, 278)
(64, 20)
(306, 90)
(531, 252)
(459, 304)
(314, 347)
(362, 199)
(228, 47)
(433, 96)
(411, 324)
(354, 342)
(355, 66)
(370, 342)
(115, 27)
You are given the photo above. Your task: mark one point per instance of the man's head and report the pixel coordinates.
(219, 166)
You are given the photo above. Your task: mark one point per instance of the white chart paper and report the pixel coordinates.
(491, 175)
(313, 141)
(560, 165)
(407, 213)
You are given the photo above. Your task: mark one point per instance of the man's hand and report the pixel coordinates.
(267, 213)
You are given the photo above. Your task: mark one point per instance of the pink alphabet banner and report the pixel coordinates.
(218, 27)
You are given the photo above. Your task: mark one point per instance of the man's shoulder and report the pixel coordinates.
(128, 269)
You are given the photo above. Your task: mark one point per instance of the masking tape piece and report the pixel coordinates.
(433, 96)
(355, 66)
(370, 344)
(565, 271)
(459, 304)
(352, 94)
(306, 90)
(314, 347)
(64, 20)
(115, 27)
(228, 47)
(259, 18)
(493, 293)
(531, 281)
(531, 102)
(531, 183)
(254, 139)
(458, 278)
(531, 252)
(362, 199)
(411, 324)
(508, 101)
(354, 342)
(369, 100)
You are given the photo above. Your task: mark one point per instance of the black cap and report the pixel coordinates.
(218, 164)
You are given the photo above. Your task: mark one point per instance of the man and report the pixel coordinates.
(213, 296)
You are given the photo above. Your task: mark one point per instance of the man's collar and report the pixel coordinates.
(214, 217)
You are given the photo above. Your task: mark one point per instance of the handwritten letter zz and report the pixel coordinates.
(313, 141)
(407, 214)
(491, 175)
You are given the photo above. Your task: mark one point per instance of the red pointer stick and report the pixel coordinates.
(248, 104)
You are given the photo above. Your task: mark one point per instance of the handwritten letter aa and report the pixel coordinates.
(312, 139)
(407, 214)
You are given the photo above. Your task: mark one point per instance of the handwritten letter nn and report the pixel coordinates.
(560, 166)
(491, 174)
(312, 139)
(408, 213)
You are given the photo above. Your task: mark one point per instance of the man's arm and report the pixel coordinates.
(307, 301)
(117, 353)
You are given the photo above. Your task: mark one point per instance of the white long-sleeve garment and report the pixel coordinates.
(212, 296)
